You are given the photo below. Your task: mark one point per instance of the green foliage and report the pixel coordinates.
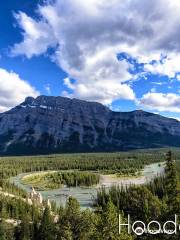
(2, 231)
(137, 201)
(6, 231)
(46, 229)
(22, 231)
(76, 224)
(6, 186)
(171, 184)
(16, 208)
(45, 181)
(120, 163)
(147, 202)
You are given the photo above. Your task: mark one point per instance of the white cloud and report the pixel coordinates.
(169, 102)
(178, 77)
(89, 34)
(168, 67)
(101, 79)
(47, 88)
(177, 119)
(104, 92)
(13, 90)
(153, 89)
(38, 37)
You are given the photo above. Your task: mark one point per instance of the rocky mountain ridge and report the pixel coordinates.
(57, 124)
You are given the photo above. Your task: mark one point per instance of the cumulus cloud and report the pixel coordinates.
(88, 35)
(13, 90)
(169, 66)
(101, 79)
(38, 37)
(169, 102)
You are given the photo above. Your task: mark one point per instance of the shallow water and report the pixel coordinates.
(86, 195)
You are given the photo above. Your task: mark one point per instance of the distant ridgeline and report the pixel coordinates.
(57, 124)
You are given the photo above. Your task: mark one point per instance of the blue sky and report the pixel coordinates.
(124, 54)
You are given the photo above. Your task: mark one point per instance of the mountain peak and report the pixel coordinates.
(58, 102)
(49, 124)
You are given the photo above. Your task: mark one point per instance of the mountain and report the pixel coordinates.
(57, 124)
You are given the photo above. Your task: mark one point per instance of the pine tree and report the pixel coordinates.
(65, 233)
(46, 230)
(171, 184)
(22, 231)
(71, 219)
(88, 223)
(2, 231)
(110, 224)
(34, 230)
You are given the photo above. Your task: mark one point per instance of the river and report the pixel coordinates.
(85, 195)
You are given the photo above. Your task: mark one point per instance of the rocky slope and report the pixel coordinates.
(57, 124)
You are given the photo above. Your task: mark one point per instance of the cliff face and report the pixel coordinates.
(57, 124)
